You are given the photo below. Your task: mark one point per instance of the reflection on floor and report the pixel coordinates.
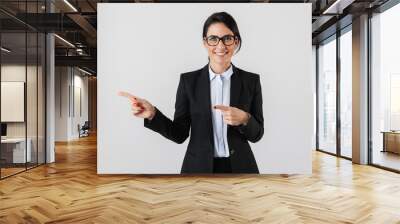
(386, 159)
(10, 169)
(346, 152)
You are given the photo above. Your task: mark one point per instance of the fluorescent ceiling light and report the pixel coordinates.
(331, 7)
(84, 71)
(5, 50)
(65, 41)
(70, 5)
(338, 6)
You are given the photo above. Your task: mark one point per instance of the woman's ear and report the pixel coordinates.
(236, 45)
(205, 43)
(237, 42)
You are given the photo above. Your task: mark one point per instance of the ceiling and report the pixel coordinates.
(76, 22)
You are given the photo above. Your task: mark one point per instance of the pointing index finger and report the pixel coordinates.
(221, 107)
(127, 95)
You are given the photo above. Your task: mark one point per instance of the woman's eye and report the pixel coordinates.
(213, 38)
(228, 38)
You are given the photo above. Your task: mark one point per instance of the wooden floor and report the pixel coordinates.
(70, 191)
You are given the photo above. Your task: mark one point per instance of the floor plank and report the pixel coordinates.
(70, 191)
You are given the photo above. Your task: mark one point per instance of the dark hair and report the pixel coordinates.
(227, 20)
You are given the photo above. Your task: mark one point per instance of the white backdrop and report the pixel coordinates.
(143, 48)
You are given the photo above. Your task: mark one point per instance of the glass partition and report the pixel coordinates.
(32, 95)
(41, 107)
(22, 77)
(327, 96)
(13, 95)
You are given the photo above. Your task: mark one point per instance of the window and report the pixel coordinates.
(385, 88)
(327, 96)
(346, 93)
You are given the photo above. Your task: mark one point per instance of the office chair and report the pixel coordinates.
(84, 130)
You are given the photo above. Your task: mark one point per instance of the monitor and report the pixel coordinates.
(3, 129)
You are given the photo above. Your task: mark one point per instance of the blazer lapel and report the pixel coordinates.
(204, 99)
(204, 93)
(236, 87)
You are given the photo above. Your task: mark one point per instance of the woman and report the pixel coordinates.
(219, 133)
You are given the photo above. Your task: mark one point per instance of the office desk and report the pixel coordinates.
(391, 141)
(13, 150)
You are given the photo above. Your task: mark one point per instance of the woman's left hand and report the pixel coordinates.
(232, 115)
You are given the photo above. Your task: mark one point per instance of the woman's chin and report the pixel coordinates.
(221, 60)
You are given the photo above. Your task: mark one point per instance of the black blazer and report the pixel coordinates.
(193, 111)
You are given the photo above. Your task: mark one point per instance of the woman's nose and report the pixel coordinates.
(221, 45)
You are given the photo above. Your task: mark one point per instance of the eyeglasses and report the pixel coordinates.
(214, 40)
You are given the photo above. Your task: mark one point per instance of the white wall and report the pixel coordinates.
(80, 84)
(61, 103)
(143, 48)
(68, 81)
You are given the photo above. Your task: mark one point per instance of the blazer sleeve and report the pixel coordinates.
(254, 130)
(178, 129)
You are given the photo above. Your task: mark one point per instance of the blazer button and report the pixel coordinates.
(232, 151)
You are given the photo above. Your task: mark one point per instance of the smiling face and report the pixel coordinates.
(220, 54)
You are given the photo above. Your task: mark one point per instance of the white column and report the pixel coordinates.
(360, 90)
(50, 110)
(50, 92)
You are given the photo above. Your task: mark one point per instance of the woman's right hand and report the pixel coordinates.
(140, 107)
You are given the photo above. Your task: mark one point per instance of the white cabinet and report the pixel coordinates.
(18, 149)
